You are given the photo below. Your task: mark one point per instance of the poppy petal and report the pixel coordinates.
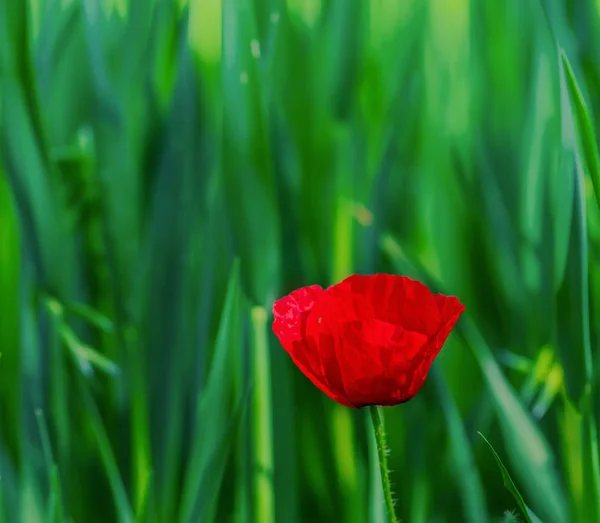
(450, 310)
(388, 384)
(322, 331)
(289, 325)
(394, 299)
(368, 340)
(357, 354)
(348, 299)
(331, 367)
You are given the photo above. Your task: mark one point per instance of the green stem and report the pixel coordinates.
(377, 419)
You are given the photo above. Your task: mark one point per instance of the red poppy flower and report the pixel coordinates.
(369, 340)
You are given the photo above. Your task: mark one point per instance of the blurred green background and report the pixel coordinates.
(168, 168)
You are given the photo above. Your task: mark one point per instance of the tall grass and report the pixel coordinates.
(169, 168)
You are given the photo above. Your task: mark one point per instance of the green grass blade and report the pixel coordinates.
(574, 320)
(510, 486)
(9, 493)
(463, 462)
(55, 509)
(583, 124)
(91, 315)
(531, 454)
(570, 424)
(144, 144)
(264, 499)
(343, 232)
(377, 512)
(85, 356)
(124, 511)
(540, 136)
(421, 497)
(210, 450)
(10, 354)
(248, 180)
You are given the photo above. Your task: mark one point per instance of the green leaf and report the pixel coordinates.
(573, 299)
(531, 455)
(91, 315)
(248, 179)
(530, 517)
(376, 502)
(463, 461)
(214, 421)
(55, 509)
(264, 498)
(107, 455)
(85, 355)
(583, 124)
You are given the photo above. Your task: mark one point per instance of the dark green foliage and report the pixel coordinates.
(168, 168)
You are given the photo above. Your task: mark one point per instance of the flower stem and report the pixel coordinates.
(378, 428)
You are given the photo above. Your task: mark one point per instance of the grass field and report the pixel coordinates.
(169, 168)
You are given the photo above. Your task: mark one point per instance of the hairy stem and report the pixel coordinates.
(378, 427)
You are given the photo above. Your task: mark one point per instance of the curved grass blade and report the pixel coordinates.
(248, 181)
(463, 461)
(214, 422)
(583, 124)
(530, 517)
(109, 460)
(55, 509)
(91, 315)
(531, 453)
(9, 497)
(579, 365)
(86, 356)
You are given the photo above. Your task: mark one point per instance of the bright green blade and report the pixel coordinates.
(464, 467)
(530, 453)
(262, 429)
(530, 517)
(214, 419)
(583, 124)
